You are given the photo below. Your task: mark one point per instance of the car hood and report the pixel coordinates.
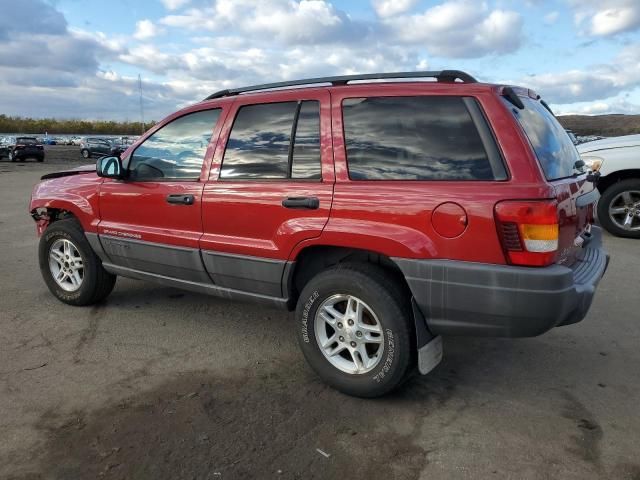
(606, 143)
(72, 171)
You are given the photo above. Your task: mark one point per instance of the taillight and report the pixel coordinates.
(528, 230)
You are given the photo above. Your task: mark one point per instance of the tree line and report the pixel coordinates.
(11, 124)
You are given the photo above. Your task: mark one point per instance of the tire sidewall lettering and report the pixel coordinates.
(389, 356)
(308, 305)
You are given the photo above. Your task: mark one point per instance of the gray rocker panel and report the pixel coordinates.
(241, 272)
(206, 288)
(161, 259)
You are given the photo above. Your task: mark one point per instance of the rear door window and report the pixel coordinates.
(260, 144)
(552, 145)
(415, 138)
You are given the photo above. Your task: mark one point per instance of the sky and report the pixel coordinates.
(82, 58)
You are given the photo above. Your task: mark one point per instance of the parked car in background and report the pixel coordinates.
(618, 161)
(99, 147)
(21, 148)
(4, 147)
(384, 214)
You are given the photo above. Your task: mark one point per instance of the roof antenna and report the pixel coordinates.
(141, 107)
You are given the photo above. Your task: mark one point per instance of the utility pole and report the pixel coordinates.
(141, 106)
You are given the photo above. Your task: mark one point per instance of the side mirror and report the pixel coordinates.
(110, 167)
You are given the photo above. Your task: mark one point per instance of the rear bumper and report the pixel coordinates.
(30, 154)
(465, 298)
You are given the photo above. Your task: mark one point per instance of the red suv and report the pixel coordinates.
(385, 213)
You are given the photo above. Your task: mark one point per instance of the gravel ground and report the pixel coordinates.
(160, 383)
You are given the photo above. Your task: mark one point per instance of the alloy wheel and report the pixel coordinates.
(624, 210)
(66, 265)
(349, 334)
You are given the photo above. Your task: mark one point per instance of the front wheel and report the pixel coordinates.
(69, 266)
(619, 208)
(355, 329)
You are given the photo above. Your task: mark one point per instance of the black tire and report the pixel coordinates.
(608, 196)
(85, 153)
(391, 304)
(40, 159)
(97, 283)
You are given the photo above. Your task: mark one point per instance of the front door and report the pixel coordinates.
(270, 188)
(151, 222)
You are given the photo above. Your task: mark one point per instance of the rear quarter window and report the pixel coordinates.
(413, 138)
(552, 145)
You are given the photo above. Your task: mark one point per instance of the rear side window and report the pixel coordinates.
(306, 146)
(175, 151)
(260, 144)
(552, 145)
(413, 138)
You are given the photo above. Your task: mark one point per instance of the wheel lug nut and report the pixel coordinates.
(341, 339)
(339, 325)
(350, 322)
(358, 334)
(353, 344)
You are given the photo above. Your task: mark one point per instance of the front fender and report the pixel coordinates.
(76, 194)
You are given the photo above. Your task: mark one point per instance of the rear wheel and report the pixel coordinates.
(619, 208)
(69, 266)
(355, 329)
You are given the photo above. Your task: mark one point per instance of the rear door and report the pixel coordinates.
(152, 221)
(103, 147)
(557, 156)
(270, 188)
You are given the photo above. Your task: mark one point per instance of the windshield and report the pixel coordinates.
(556, 152)
(26, 141)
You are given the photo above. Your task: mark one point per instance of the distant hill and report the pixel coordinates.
(605, 125)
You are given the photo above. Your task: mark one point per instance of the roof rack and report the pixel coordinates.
(439, 75)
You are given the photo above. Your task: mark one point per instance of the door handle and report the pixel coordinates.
(310, 203)
(181, 199)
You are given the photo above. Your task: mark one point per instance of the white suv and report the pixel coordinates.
(618, 160)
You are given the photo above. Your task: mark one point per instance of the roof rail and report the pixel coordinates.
(439, 75)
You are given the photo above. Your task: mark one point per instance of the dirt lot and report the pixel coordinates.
(159, 383)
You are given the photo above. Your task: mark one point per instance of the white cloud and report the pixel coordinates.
(607, 17)
(389, 8)
(460, 28)
(551, 17)
(284, 21)
(145, 29)
(192, 19)
(596, 82)
(614, 105)
(175, 4)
